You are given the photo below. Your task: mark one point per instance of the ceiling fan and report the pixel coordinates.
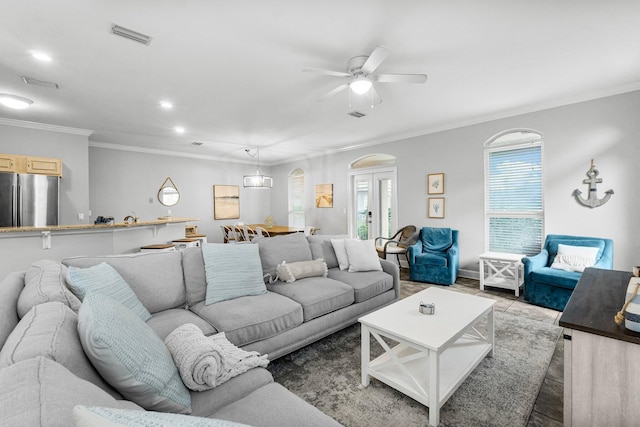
(360, 74)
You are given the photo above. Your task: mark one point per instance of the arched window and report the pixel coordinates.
(296, 199)
(514, 213)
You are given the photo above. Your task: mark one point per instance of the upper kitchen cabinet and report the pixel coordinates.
(30, 164)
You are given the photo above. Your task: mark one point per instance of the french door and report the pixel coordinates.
(372, 204)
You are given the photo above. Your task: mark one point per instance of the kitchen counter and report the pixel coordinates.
(168, 220)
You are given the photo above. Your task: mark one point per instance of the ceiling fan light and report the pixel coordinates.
(360, 85)
(15, 102)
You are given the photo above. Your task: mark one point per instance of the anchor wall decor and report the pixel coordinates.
(592, 201)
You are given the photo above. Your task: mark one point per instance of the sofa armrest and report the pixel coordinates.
(535, 262)
(392, 269)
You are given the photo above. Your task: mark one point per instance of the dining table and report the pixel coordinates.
(277, 230)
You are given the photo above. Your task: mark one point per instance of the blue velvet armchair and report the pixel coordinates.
(434, 258)
(551, 287)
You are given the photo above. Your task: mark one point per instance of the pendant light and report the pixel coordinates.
(257, 180)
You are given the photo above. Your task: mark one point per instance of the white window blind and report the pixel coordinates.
(296, 199)
(514, 214)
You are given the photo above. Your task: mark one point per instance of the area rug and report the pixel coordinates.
(501, 391)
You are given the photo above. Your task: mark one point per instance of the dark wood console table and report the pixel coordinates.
(601, 358)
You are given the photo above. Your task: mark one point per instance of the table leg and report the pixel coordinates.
(482, 275)
(434, 388)
(491, 332)
(364, 354)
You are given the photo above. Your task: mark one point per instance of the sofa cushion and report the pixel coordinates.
(552, 246)
(248, 319)
(232, 271)
(290, 248)
(362, 255)
(130, 356)
(10, 288)
(45, 282)
(164, 322)
(554, 277)
(156, 278)
(290, 272)
(195, 278)
(205, 403)
(321, 247)
(92, 416)
(105, 279)
(366, 284)
(258, 409)
(40, 392)
(51, 330)
(575, 258)
(317, 295)
(436, 260)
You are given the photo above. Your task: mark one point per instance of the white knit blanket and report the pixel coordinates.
(206, 362)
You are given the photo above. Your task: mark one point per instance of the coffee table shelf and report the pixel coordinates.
(434, 353)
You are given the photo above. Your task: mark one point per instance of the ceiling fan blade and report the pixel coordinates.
(326, 72)
(401, 78)
(334, 91)
(378, 55)
(375, 97)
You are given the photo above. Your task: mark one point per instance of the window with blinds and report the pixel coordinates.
(296, 199)
(514, 211)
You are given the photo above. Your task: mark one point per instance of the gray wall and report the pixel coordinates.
(606, 130)
(125, 181)
(115, 183)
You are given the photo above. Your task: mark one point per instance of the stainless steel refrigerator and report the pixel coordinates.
(28, 200)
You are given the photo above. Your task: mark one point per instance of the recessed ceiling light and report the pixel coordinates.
(41, 56)
(166, 105)
(179, 129)
(15, 102)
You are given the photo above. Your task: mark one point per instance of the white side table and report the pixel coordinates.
(501, 270)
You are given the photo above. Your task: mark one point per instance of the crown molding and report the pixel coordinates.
(44, 126)
(135, 149)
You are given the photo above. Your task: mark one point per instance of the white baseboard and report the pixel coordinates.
(469, 274)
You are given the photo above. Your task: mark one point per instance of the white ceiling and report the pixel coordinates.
(233, 68)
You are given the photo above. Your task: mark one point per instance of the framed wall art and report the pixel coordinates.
(435, 207)
(226, 202)
(435, 183)
(324, 195)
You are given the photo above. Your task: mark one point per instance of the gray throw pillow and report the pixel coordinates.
(290, 248)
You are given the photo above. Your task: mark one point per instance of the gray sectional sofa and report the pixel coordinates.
(44, 372)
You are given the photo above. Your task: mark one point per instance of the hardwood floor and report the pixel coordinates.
(548, 408)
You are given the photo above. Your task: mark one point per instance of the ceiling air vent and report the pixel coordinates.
(130, 34)
(356, 114)
(196, 143)
(31, 81)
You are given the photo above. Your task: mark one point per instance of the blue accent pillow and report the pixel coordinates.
(106, 280)
(90, 416)
(232, 271)
(130, 356)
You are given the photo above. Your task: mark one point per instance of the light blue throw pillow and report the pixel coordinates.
(232, 271)
(93, 416)
(106, 280)
(130, 356)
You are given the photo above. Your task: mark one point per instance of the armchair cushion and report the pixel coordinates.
(439, 260)
(553, 246)
(436, 239)
(560, 278)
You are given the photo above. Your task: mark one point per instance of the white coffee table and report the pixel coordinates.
(435, 352)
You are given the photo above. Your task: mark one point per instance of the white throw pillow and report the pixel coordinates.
(574, 258)
(362, 255)
(341, 253)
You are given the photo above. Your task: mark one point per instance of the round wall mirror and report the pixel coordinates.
(168, 194)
